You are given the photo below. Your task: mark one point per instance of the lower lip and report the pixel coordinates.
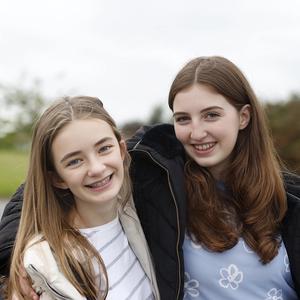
(203, 152)
(103, 187)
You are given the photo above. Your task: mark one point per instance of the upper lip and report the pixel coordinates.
(202, 144)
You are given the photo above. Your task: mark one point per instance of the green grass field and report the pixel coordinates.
(13, 168)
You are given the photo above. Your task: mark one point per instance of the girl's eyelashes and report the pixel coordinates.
(211, 115)
(76, 161)
(181, 119)
(105, 148)
(73, 162)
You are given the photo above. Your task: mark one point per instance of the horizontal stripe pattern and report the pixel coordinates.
(127, 280)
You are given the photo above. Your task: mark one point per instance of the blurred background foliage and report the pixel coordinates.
(284, 122)
(20, 107)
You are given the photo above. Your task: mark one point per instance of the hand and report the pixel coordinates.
(26, 288)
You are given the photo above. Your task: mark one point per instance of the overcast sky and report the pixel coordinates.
(127, 52)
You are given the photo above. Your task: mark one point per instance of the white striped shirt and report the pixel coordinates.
(126, 278)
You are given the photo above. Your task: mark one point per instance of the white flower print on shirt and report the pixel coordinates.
(286, 263)
(190, 286)
(274, 294)
(231, 277)
(195, 246)
(246, 247)
(193, 243)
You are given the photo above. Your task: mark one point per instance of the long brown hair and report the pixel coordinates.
(254, 202)
(46, 208)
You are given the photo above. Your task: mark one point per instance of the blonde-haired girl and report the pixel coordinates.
(79, 236)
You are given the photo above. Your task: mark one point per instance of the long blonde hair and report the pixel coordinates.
(46, 208)
(256, 200)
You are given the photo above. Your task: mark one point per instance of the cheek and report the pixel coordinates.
(228, 137)
(182, 133)
(73, 176)
(219, 130)
(116, 161)
(120, 170)
(228, 128)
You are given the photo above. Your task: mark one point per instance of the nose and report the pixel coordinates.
(198, 131)
(96, 166)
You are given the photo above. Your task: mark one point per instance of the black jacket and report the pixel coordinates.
(8, 229)
(159, 194)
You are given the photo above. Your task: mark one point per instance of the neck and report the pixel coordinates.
(94, 215)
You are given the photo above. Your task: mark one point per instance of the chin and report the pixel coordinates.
(204, 164)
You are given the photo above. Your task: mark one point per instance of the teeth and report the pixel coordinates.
(100, 183)
(204, 147)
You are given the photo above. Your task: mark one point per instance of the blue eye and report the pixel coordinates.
(105, 148)
(181, 119)
(73, 162)
(212, 115)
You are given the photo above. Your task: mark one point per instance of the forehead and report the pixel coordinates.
(80, 134)
(198, 96)
(95, 127)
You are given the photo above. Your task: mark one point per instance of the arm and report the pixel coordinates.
(8, 229)
(48, 280)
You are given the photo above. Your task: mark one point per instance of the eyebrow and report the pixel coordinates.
(202, 111)
(71, 154)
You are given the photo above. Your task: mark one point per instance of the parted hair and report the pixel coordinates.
(254, 201)
(46, 208)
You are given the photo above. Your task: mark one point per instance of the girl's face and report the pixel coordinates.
(208, 125)
(89, 161)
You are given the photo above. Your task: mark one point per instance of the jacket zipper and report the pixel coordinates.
(57, 294)
(176, 207)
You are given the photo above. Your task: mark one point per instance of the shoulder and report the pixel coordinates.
(42, 267)
(11, 217)
(292, 187)
(11, 214)
(8, 228)
(38, 253)
(39, 260)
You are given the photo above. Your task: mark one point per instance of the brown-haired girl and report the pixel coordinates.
(221, 199)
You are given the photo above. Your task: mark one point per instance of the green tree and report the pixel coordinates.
(24, 106)
(156, 116)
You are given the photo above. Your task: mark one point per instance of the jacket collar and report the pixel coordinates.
(137, 241)
(158, 138)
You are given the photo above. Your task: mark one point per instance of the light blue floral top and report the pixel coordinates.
(235, 274)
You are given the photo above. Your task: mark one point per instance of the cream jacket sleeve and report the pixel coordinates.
(48, 281)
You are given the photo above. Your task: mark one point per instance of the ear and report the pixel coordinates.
(245, 116)
(123, 148)
(57, 181)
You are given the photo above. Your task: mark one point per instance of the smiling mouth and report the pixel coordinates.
(100, 183)
(204, 147)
